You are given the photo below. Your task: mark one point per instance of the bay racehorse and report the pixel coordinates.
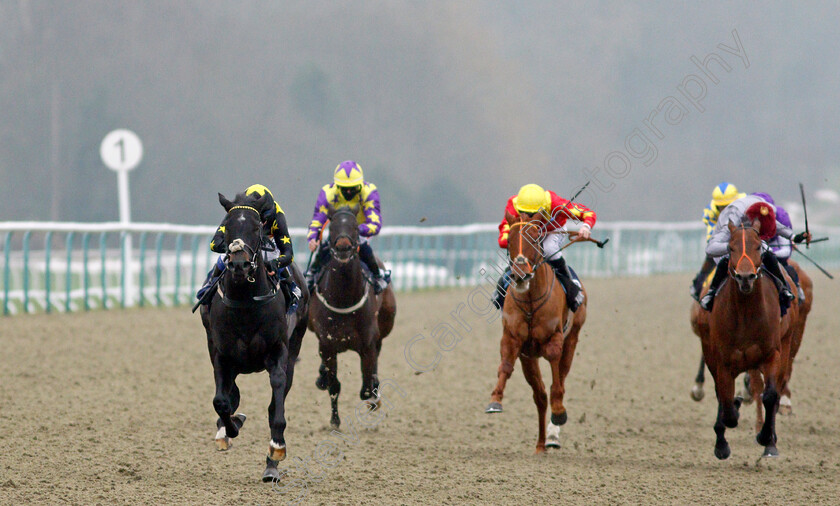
(744, 332)
(536, 322)
(346, 314)
(248, 329)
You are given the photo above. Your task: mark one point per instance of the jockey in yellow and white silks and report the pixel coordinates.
(348, 190)
(723, 195)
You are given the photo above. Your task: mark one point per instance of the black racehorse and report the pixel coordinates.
(248, 329)
(346, 314)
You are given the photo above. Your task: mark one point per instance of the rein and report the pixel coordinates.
(544, 297)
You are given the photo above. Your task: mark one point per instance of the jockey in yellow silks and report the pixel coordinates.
(348, 190)
(277, 258)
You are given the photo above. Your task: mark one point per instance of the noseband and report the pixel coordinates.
(527, 262)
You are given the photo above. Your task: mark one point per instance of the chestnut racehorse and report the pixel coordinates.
(534, 317)
(754, 386)
(744, 332)
(798, 321)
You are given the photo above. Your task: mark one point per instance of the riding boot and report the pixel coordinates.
(574, 295)
(380, 279)
(697, 282)
(290, 290)
(212, 277)
(795, 277)
(708, 300)
(501, 289)
(771, 263)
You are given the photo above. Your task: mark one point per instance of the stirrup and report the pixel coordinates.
(708, 300)
(786, 294)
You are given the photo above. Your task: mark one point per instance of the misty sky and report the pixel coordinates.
(449, 106)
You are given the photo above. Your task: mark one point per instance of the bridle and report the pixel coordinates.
(239, 245)
(335, 253)
(354, 245)
(755, 269)
(529, 314)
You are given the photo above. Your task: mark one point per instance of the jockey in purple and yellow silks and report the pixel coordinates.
(348, 190)
(723, 195)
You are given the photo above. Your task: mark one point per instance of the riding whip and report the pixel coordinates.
(813, 262)
(805, 210)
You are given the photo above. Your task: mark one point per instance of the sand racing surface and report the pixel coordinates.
(116, 407)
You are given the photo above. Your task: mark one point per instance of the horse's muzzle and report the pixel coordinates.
(344, 249)
(241, 267)
(746, 281)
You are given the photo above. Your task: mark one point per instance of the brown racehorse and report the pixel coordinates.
(797, 330)
(346, 314)
(534, 317)
(744, 332)
(754, 383)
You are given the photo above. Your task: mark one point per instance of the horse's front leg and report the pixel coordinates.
(560, 368)
(531, 370)
(225, 401)
(369, 356)
(770, 399)
(510, 348)
(727, 410)
(276, 367)
(329, 379)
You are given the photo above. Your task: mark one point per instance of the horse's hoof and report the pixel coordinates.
(785, 406)
(770, 451)
(271, 473)
(321, 383)
(559, 419)
(723, 453)
(697, 393)
(276, 452)
(335, 422)
(540, 449)
(372, 403)
(738, 400)
(552, 436)
(494, 407)
(223, 443)
(238, 420)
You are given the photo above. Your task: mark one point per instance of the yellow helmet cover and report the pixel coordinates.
(531, 198)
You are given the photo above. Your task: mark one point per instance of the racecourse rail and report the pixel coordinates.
(66, 267)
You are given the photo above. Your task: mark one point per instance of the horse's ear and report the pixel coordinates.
(227, 204)
(731, 227)
(510, 219)
(756, 225)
